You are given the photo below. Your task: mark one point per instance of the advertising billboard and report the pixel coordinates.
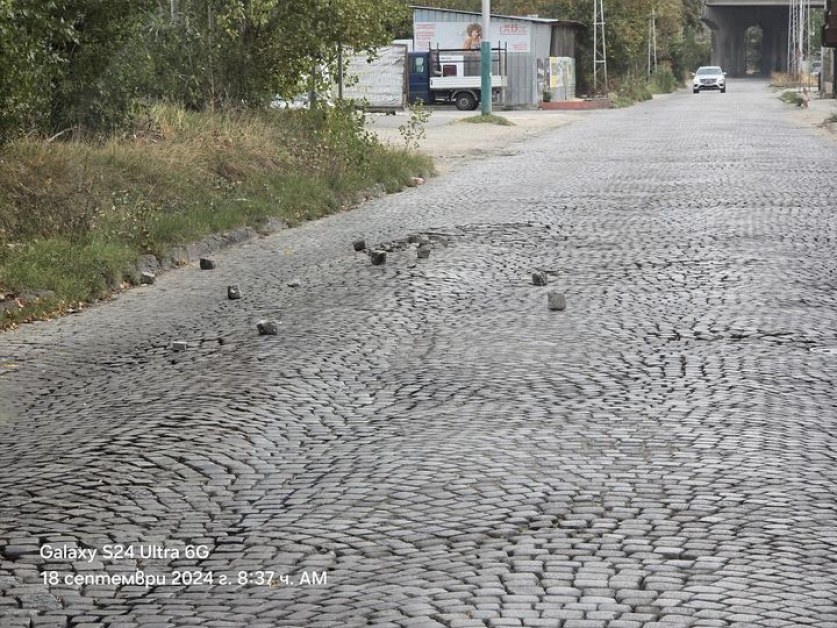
(467, 35)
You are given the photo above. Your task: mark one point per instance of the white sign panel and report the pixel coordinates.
(379, 82)
(466, 35)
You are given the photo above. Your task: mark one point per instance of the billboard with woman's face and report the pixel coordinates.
(514, 35)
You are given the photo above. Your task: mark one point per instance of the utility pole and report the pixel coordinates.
(791, 36)
(485, 60)
(599, 45)
(799, 37)
(652, 43)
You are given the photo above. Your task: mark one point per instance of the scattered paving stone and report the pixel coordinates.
(233, 292)
(359, 245)
(207, 264)
(179, 345)
(147, 278)
(268, 328)
(539, 278)
(423, 250)
(13, 552)
(49, 621)
(378, 258)
(556, 301)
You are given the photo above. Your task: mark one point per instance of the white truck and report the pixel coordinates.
(396, 76)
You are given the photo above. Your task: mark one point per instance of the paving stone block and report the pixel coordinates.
(557, 301)
(268, 327)
(233, 292)
(15, 552)
(539, 278)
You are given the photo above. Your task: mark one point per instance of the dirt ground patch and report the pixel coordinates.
(452, 142)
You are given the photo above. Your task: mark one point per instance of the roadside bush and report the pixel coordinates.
(631, 89)
(663, 80)
(413, 130)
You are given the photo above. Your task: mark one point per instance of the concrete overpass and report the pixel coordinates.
(730, 19)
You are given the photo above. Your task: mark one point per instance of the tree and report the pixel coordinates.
(102, 63)
(244, 52)
(29, 64)
(92, 64)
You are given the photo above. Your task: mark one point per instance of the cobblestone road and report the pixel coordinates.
(430, 436)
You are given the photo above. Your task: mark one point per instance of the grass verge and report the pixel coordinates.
(488, 119)
(792, 98)
(75, 216)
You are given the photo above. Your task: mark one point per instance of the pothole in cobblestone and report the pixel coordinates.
(487, 233)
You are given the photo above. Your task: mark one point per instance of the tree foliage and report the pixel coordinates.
(28, 61)
(244, 53)
(90, 64)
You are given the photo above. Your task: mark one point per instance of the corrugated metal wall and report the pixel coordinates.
(522, 67)
(563, 42)
(522, 89)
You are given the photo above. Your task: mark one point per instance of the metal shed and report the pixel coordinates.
(527, 39)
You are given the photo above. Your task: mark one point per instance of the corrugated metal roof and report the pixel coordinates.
(540, 20)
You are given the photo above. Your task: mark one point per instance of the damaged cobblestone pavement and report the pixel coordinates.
(425, 442)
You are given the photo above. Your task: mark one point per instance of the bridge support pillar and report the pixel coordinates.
(729, 25)
(728, 46)
(774, 52)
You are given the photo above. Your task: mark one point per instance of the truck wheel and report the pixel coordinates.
(465, 101)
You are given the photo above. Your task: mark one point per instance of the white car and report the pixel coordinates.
(709, 77)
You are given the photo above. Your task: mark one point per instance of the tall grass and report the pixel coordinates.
(75, 216)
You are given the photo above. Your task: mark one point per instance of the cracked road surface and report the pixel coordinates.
(425, 443)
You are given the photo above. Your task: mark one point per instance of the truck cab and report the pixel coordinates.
(419, 80)
(453, 76)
